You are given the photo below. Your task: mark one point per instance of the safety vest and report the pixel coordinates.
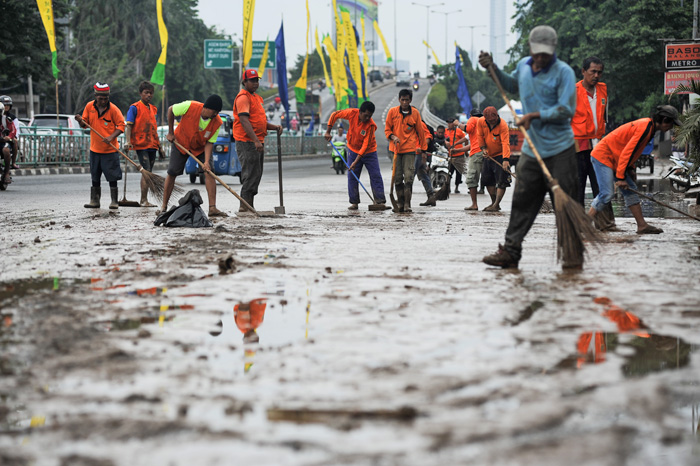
(582, 122)
(188, 133)
(144, 133)
(256, 115)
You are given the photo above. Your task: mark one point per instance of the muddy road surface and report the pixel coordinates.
(334, 337)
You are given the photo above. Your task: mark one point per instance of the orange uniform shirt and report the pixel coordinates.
(105, 124)
(496, 140)
(406, 127)
(144, 133)
(455, 135)
(426, 135)
(188, 133)
(361, 138)
(252, 104)
(621, 148)
(251, 318)
(582, 123)
(473, 134)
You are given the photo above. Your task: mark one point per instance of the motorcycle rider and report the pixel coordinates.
(340, 137)
(7, 136)
(6, 100)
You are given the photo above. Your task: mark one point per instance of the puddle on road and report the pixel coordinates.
(264, 324)
(644, 351)
(22, 288)
(653, 188)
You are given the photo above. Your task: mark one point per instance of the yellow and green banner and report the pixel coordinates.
(158, 76)
(300, 86)
(351, 48)
(323, 61)
(381, 36)
(46, 11)
(263, 59)
(437, 60)
(364, 49)
(248, 12)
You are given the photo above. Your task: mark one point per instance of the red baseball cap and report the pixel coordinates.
(250, 74)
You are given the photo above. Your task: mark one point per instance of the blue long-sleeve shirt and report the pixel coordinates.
(552, 92)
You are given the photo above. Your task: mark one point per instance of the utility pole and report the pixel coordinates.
(472, 47)
(695, 19)
(446, 13)
(427, 33)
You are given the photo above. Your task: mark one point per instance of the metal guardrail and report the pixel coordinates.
(47, 147)
(427, 115)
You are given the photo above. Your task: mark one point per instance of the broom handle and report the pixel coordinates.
(494, 76)
(206, 169)
(115, 148)
(662, 204)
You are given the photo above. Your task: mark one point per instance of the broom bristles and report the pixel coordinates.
(443, 193)
(573, 227)
(156, 185)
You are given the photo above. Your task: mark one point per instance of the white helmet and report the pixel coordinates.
(2, 108)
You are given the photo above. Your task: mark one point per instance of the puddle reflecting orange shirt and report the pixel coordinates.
(252, 318)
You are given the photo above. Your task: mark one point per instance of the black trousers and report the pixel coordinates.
(530, 189)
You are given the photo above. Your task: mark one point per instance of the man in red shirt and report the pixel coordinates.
(362, 150)
(108, 122)
(250, 127)
(142, 133)
(588, 123)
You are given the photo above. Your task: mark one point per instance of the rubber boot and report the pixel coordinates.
(95, 193)
(399, 188)
(114, 193)
(408, 194)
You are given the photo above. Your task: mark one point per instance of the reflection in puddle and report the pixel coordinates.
(650, 352)
(659, 190)
(22, 288)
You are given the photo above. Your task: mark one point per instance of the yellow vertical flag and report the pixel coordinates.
(46, 12)
(364, 49)
(158, 76)
(337, 70)
(248, 12)
(351, 48)
(300, 86)
(437, 60)
(323, 61)
(263, 59)
(381, 36)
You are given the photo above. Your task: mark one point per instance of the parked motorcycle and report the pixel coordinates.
(439, 167)
(682, 176)
(338, 164)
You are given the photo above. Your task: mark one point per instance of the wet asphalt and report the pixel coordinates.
(381, 338)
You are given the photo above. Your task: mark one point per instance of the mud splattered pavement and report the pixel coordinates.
(380, 339)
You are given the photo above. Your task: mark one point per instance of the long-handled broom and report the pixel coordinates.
(662, 204)
(123, 202)
(394, 204)
(573, 225)
(207, 170)
(373, 206)
(154, 183)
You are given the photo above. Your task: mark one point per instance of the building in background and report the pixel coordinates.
(497, 31)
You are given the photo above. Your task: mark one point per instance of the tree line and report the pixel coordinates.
(115, 42)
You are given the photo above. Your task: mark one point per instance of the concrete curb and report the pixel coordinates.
(159, 166)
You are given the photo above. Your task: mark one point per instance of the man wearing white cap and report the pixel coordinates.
(547, 88)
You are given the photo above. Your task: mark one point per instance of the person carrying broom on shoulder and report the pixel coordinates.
(547, 88)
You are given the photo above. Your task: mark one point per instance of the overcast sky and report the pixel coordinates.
(226, 16)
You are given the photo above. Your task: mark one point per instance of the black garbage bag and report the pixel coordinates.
(187, 214)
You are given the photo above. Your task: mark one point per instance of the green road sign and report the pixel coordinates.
(218, 54)
(258, 47)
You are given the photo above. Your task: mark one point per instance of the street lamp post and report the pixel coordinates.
(427, 30)
(446, 13)
(472, 28)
